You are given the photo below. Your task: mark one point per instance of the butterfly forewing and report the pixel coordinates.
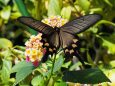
(80, 24)
(37, 25)
(66, 39)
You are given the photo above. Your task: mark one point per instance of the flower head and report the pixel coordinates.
(54, 21)
(34, 49)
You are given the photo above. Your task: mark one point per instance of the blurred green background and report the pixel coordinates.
(97, 44)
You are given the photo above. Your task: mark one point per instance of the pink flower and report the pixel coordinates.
(27, 59)
(35, 52)
(36, 63)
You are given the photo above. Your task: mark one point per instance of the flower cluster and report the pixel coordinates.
(34, 50)
(55, 21)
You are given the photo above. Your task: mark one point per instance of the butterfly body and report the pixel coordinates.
(57, 29)
(62, 37)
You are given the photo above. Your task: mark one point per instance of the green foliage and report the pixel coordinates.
(5, 72)
(5, 43)
(66, 12)
(58, 64)
(54, 7)
(24, 12)
(109, 42)
(38, 80)
(84, 4)
(97, 45)
(60, 84)
(5, 14)
(23, 69)
(22, 65)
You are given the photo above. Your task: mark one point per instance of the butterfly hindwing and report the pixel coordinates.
(69, 43)
(37, 25)
(50, 44)
(80, 24)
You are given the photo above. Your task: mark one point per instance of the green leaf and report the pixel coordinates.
(23, 72)
(38, 81)
(23, 10)
(108, 2)
(60, 83)
(89, 59)
(93, 29)
(66, 12)
(87, 76)
(51, 82)
(67, 64)
(4, 1)
(84, 4)
(109, 42)
(21, 65)
(54, 7)
(74, 66)
(5, 72)
(5, 13)
(94, 10)
(58, 64)
(5, 43)
(112, 63)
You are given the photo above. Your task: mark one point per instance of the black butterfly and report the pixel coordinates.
(65, 36)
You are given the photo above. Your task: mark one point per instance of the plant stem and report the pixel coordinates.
(72, 4)
(52, 69)
(53, 64)
(37, 9)
(104, 22)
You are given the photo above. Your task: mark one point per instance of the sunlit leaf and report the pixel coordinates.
(21, 65)
(67, 64)
(38, 81)
(108, 2)
(50, 83)
(84, 4)
(66, 12)
(60, 84)
(87, 76)
(112, 63)
(5, 72)
(109, 43)
(93, 10)
(23, 72)
(5, 2)
(54, 7)
(5, 43)
(58, 64)
(5, 13)
(74, 66)
(93, 29)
